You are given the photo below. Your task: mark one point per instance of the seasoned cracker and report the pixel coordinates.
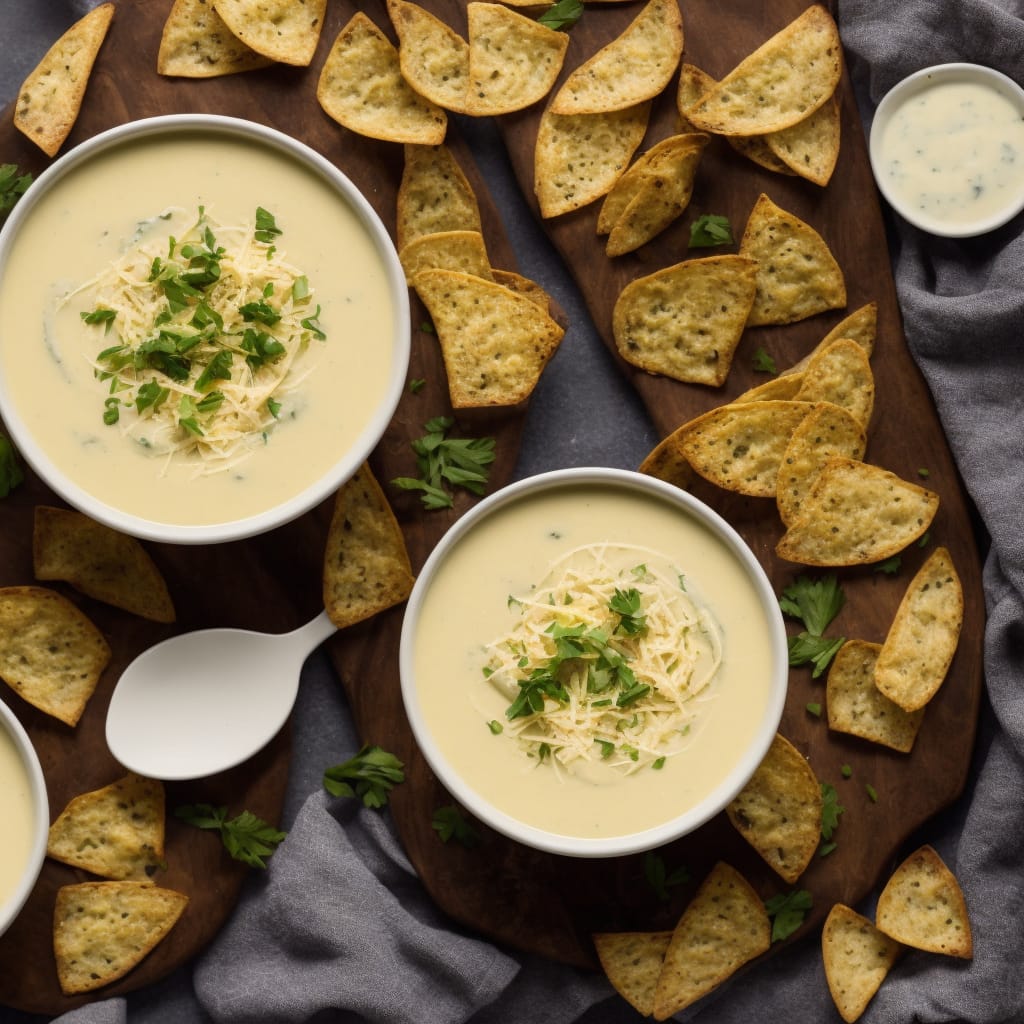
(632, 962)
(860, 326)
(810, 148)
(857, 958)
(433, 56)
(666, 462)
(196, 43)
(282, 30)
(840, 373)
(434, 195)
(449, 250)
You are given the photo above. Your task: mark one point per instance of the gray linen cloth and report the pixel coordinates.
(338, 929)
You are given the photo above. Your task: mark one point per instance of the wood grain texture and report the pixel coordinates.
(527, 900)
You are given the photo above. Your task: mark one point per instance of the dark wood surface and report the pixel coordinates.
(527, 900)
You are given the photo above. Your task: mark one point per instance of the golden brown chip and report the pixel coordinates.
(51, 97)
(827, 430)
(116, 831)
(579, 157)
(797, 275)
(495, 342)
(923, 906)
(781, 388)
(366, 565)
(524, 286)
(362, 88)
(810, 147)
(99, 561)
(857, 513)
(840, 373)
(724, 926)
(434, 195)
(434, 57)
(740, 446)
(857, 958)
(513, 60)
(282, 30)
(858, 708)
(101, 930)
(666, 462)
(651, 194)
(634, 67)
(686, 320)
(51, 654)
(783, 81)
(860, 326)
(779, 810)
(450, 250)
(195, 43)
(632, 962)
(924, 634)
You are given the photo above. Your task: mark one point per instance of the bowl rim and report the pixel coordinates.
(890, 102)
(349, 461)
(681, 824)
(23, 746)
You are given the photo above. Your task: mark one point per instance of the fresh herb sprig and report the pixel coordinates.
(451, 824)
(444, 462)
(246, 837)
(816, 602)
(787, 911)
(831, 809)
(710, 229)
(13, 186)
(563, 14)
(660, 879)
(11, 473)
(369, 775)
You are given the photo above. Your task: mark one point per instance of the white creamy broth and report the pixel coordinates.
(17, 815)
(88, 219)
(467, 606)
(954, 152)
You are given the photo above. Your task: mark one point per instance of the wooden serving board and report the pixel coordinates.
(530, 901)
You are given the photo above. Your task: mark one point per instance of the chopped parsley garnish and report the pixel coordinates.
(787, 911)
(246, 837)
(816, 603)
(763, 362)
(416, 385)
(890, 566)
(370, 775)
(266, 226)
(871, 792)
(563, 14)
(450, 823)
(660, 879)
(11, 473)
(12, 187)
(710, 229)
(831, 809)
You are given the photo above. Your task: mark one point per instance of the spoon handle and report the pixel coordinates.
(313, 633)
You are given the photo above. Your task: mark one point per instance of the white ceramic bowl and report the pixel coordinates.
(983, 191)
(13, 736)
(371, 272)
(440, 684)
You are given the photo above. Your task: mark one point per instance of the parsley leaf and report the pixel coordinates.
(246, 837)
(815, 650)
(660, 879)
(266, 227)
(370, 775)
(11, 473)
(831, 808)
(787, 911)
(815, 602)
(450, 823)
(12, 187)
(710, 229)
(890, 566)
(563, 14)
(626, 604)
(763, 362)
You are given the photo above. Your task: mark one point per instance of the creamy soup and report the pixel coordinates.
(102, 208)
(17, 815)
(467, 605)
(953, 152)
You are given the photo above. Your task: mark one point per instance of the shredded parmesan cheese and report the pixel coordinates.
(559, 665)
(201, 330)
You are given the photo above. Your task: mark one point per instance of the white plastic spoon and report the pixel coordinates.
(202, 702)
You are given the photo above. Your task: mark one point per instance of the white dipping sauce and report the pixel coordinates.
(949, 154)
(17, 815)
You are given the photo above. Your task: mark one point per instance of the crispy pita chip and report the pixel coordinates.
(51, 97)
(362, 88)
(923, 906)
(522, 286)
(827, 430)
(632, 68)
(857, 958)
(579, 157)
(858, 708)
(724, 926)
(632, 962)
(651, 194)
(434, 195)
(282, 30)
(100, 562)
(779, 810)
(740, 446)
(686, 320)
(50, 653)
(366, 565)
(434, 57)
(810, 148)
(450, 250)
(666, 462)
(840, 373)
(781, 388)
(797, 275)
(783, 81)
(495, 342)
(101, 930)
(513, 60)
(196, 43)
(923, 636)
(860, 326)
(857, 513)
(116, 832)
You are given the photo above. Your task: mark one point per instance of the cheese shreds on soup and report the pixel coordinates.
(698, 660)
(214, 252)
